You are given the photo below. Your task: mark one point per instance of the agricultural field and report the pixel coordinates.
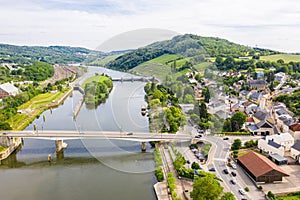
(164, 59)
(286, 57)
(152, 69)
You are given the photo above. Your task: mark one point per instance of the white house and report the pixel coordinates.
(276, 143)
(270, 147)
(8, 89)
(295, 150)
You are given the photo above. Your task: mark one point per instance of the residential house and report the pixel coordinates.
(260, 168)
(295, 151)
(294, 130)
(279, 76)
(257, 84)
(8, 89)
(280, 144)
(265, 127)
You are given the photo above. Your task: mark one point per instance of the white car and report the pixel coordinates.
(242, 191)
(233, 166)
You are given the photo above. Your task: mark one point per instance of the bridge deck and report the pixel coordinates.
(53, 134)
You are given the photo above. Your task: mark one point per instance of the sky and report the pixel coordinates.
(273, 24)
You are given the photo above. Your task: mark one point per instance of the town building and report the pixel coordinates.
(8, 89)
(260, 168)
(294, 130)
(279, 144)
(295, 151)
(257, 84)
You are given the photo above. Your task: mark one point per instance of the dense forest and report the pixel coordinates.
(37, 71)
(51, 54)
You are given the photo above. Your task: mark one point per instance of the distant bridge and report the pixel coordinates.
(59, 136)
(132, 79)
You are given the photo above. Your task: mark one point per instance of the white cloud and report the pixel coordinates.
(272, 24)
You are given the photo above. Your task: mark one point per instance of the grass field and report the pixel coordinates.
(202, 66)
(38, 105)
(286, 57)
(41, 99)
(295, 197)
(152, 69)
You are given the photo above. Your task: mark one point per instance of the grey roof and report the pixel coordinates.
(280, 112)
(244, 92)
(296, 145)
(275, 129)
(273, 144)
(255, 95)
(278, 157)
(253, 128)
(260, 124)
(257, 82)
(260, 115)
(9, 88)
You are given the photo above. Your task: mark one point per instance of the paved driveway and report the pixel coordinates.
(289, 184)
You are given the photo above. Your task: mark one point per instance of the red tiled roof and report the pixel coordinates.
(249, 119)
(295, 127)
(259, 165)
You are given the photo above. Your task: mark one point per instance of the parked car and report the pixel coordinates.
(188, 162)
(242, 191)
(130, 133)
(233, 166)
(212, 169)
(233, 173)
(198, 136)
(232, 181)
(225, 171)
(226, 138)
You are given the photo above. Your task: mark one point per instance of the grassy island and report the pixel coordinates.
(97, 89)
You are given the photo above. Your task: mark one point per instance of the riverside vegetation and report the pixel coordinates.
(97, 89)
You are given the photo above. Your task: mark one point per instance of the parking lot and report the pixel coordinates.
(289, 184)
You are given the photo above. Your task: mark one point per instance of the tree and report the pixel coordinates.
(195, 165)
(206, 188)
(203, 110)
(228, 196)
(239, 117)
(206, 94)
(271, 195)
(236, 145)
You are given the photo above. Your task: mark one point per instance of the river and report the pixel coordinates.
(88, 169)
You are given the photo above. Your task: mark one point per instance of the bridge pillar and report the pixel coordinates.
(60, 145)
(144, 146)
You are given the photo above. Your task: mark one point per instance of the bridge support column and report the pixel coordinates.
(60, 145)
(144, 146)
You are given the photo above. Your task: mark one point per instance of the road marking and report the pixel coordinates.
(219, 159)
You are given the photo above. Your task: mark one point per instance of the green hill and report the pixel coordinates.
(51, 54)
(184, 48)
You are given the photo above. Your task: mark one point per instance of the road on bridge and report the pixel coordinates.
(63, 134)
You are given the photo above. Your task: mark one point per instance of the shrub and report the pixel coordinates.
(247, 189)
(159, 174)
(271, 195)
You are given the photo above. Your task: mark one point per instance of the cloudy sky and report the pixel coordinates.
(271, 24)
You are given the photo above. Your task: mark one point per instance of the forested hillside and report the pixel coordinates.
(195, 49)
(52, 54)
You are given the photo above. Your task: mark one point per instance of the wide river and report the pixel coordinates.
(88, 169)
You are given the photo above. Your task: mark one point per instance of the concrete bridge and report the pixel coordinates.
(132, 79)
(59, 136)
